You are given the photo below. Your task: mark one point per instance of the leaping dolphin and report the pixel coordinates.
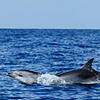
(85, 75)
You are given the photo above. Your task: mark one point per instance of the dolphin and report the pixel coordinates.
(25, 76)
(85, 75)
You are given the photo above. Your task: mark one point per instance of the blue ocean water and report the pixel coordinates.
(47, 51)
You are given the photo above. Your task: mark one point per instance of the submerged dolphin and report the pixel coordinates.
(85, 75)
(25, 76)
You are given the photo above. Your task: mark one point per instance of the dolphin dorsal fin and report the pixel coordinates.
(88, 64)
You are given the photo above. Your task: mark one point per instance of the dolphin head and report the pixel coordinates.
(25, 76)
(15, 74)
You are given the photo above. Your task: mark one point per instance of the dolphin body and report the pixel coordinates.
(85, 75)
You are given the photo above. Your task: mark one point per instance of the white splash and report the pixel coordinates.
(47, 79)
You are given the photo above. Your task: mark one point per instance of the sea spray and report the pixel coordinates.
(47, 79)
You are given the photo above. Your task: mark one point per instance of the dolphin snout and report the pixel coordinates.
(9, 74)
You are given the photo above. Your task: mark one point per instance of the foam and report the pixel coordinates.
(47, 79)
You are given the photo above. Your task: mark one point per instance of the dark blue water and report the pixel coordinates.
(47, 51)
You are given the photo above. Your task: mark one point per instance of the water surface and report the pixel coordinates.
(47, 51)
